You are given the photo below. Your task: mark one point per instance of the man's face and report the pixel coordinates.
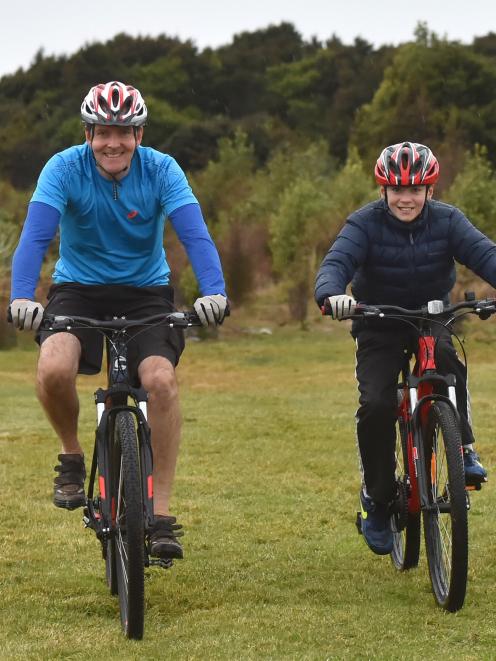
(406, 202)
(113, 147)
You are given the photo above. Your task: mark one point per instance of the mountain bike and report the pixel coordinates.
(430, 474)
(119, 504)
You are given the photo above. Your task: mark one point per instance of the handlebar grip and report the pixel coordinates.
(326, 308)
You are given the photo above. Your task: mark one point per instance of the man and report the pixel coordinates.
(399, 250)
(110, 197)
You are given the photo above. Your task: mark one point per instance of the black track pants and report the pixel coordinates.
(379, 358)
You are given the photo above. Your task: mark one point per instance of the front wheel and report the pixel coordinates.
(445, 518)
(128, 542)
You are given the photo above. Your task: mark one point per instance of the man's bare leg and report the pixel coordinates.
(158, 377)
(56, 387)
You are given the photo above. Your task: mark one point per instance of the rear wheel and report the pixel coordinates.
(445, 520)
(406, 524)
(128, 541)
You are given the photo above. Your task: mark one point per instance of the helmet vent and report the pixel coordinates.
(126, 106)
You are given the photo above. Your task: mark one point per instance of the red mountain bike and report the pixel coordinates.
(429, 460)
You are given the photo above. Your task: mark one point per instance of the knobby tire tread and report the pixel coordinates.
(132, 601)
(449, 588)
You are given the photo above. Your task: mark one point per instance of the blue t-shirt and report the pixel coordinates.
(105, 240)
(112, 232)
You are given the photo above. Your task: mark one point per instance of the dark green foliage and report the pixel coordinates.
(437, 92)
(195, 144)
(241, 82)
(486, 45)
(320, 94)
(474, 191)
(271, 83)
(277, 134)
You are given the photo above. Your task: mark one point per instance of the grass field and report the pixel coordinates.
(267, 490)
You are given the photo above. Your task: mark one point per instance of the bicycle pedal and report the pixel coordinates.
(358, 522)
(164, 563)
(89, 523)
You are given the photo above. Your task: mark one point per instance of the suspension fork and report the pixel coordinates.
(118, 374)
(108, 403)
(422, 392)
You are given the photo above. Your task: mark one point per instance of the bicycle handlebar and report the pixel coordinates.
(484, 308)
(171, 319)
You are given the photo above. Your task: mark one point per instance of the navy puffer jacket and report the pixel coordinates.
(407, 264)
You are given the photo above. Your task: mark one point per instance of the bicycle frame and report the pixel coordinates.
(109, 402)
(100, 512)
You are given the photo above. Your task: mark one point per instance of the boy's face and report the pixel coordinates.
(406, 202)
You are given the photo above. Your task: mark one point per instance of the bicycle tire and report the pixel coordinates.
(445, 520)
(129, 526)
(406, 540)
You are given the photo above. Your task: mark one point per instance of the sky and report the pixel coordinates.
(64, 26)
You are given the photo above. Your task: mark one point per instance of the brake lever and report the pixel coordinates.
(485, 312)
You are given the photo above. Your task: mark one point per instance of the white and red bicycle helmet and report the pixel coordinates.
(114, 104)
(406, 164)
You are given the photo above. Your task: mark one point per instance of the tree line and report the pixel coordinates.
(278, 134)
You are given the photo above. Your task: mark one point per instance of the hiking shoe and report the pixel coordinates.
(376, 525)
(475, 473)
(163, 538)
(68, 486)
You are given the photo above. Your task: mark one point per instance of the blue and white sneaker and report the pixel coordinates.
(376, 525)
(475, 473)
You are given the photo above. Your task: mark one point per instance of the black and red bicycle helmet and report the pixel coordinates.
(406, 164)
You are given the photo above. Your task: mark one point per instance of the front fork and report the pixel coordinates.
(419, 411)
(100, 509)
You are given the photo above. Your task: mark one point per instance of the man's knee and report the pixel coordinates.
(58, 362)
(158, 378)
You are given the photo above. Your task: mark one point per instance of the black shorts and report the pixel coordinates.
(107, 301)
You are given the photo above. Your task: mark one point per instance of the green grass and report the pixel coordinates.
(267, 492)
